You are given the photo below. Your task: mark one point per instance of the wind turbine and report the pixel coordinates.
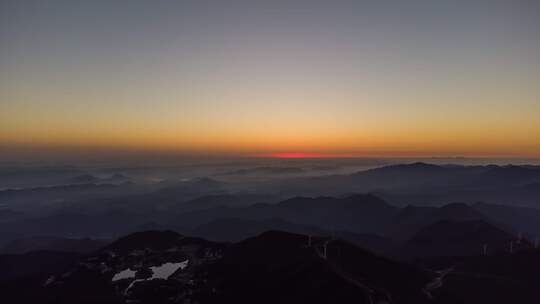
(325, 245)
(485, 249)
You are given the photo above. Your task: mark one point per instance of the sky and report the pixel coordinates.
(262, 78)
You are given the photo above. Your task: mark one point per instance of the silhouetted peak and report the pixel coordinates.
(512, 171)
(355, 200)
(303, 200)
(393, 171)
(464, 231)
(365, 198)
(416, 165)
(412, 211)
(84, 179)
(423, 165)
(459, 209)
(410, 208)
(207, 180)
(277, 235)
(156, 240)
(118, 177)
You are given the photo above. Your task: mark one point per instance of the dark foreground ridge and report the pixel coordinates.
(273, 267)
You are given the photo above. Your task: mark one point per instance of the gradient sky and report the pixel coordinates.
(351, 78)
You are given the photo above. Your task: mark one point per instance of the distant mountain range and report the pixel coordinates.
(92, 179)
(232, 218)
(428, 184)
(404, 199)
(266, 170)
(362, 213)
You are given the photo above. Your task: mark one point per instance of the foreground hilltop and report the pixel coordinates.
(273, 267)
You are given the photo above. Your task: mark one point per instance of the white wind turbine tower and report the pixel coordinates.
(485, 249)
(325, 245)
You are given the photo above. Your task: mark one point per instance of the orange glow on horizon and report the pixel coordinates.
(299, 155)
